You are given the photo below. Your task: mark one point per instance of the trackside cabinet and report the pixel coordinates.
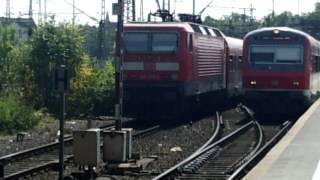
(115, 146)
(129, 141)
(86, 147)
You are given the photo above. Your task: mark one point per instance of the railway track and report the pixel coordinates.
(229, 157)
(42, 158)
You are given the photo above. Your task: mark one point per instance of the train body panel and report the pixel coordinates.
(234, 66)
(280, 65)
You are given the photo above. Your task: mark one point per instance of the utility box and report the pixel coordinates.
(114, 146)
(86, 147)
(129, 141)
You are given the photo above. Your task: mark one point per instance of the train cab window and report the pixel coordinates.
(136, 41)
(288, 55)
(261, 54)
(276, 54)
(164, 42)
(203, 31)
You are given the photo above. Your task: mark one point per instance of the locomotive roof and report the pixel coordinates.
(185, 25)
(234, 43)
(285, 29)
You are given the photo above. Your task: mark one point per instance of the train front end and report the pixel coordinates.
(276, 70)
(154, 66)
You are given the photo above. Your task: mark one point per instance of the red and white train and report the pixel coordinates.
(177, 66)
(281, 69)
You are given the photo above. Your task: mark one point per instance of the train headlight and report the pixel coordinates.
(296, 83)
(253, 82)
(276, 31)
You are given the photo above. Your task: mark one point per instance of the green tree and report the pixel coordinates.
(9, 60)
(53, 45)
(92, 91)
(236, 25)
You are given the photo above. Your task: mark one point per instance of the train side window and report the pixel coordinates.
(207, 30)
(190, 42)
(217, 33)
(212, 32)
(230, 58)
(314, 63)
(203, 31)
(196, 28)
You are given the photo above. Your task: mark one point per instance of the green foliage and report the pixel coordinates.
(104, 96)
(92, 90)
(235, 25)
(15, 115)
(53, 45)
(10, 60)
(98, 40)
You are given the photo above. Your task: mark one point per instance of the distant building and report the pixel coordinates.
(23, 26)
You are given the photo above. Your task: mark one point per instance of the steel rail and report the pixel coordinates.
(261, 152)
(261, 135)
(39, 149)
(173, 169)
(215, 134)
(4, 160)
(53, 163)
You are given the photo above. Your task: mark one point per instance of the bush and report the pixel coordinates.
(15, 116)
(92, 91)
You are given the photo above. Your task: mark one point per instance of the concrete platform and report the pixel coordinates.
(297, 155)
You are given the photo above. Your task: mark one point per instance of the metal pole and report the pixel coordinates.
(30, 9)
(194, 8)
(118, 74)
(73, 13)
(272, 9)
(298, 7)
(194, 11)
(45, 11)
(133, 10)
(61, 141)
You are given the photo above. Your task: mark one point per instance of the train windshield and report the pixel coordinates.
(150, 42)
(136, 42)
(164, 42)
(279, 54)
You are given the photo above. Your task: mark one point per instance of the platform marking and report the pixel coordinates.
(316, 175)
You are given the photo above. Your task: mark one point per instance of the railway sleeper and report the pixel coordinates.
(197, 163)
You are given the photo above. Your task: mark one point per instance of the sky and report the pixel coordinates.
(63, 12)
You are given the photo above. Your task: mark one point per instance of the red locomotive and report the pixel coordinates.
(177, 66)
(280, 70)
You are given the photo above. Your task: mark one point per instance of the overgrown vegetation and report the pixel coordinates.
(15, 115)
(26, 76)
(238, 25)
